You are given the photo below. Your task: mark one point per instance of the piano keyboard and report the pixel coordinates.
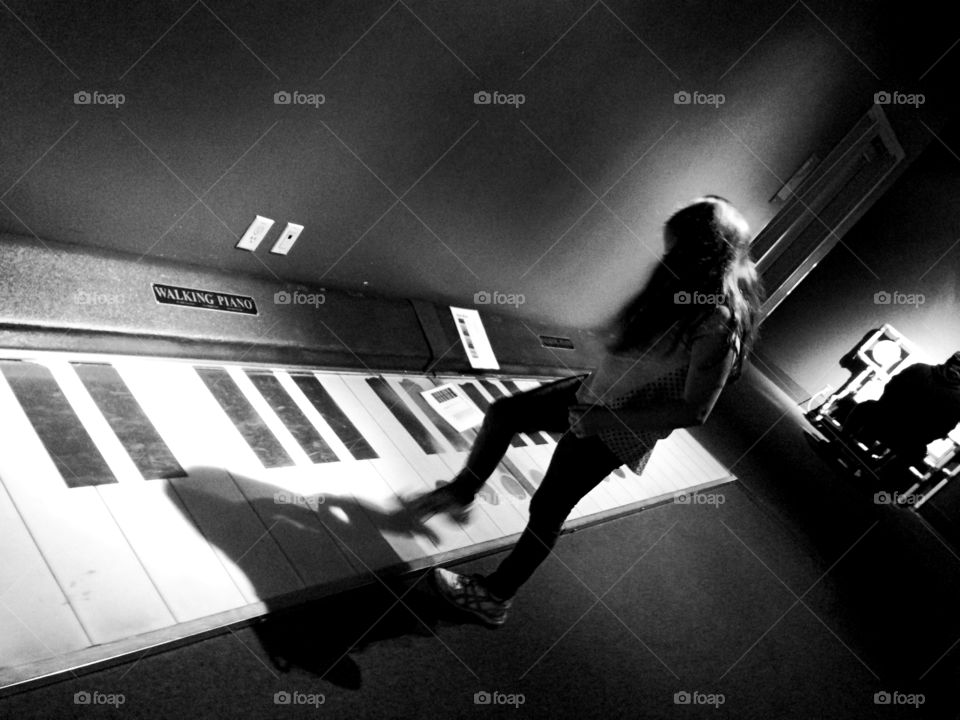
(140, 494)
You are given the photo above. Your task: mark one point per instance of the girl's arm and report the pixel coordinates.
(710, 364)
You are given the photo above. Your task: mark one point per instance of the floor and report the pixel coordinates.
(788, 594)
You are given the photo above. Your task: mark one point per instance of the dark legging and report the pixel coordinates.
(577, 466)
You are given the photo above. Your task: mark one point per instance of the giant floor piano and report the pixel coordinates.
(166, 471)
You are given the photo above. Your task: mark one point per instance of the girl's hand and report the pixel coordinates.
(587, 419)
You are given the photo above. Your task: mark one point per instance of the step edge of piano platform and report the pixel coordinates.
(29, 676)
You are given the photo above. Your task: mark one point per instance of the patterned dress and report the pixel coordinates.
(655, 377)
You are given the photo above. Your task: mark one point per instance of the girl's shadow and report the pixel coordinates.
(316, 629)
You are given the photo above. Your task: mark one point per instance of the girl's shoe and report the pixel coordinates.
(470, 594)
(441, 500)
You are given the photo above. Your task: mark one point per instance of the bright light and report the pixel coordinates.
(885, 353)
(339, 514)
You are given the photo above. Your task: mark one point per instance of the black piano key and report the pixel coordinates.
(453, 436)
(63, 435)
(244, 417)
(337, 420)
(292, 416)
(538, 438)
(477, 397)
(473, 392)
(404, 416)
(128, 421)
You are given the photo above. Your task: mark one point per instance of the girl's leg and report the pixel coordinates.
(543, 408)
(578, 465)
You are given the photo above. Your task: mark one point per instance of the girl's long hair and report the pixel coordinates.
(708, 265)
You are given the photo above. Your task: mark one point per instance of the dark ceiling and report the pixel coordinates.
(405, 185)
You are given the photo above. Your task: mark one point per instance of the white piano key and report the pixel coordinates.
(675, 471)
(36, 621)
(367, 483)
(250, 555)
(350, 524)
(508, 518)
(298, 530)
(88, 554)
(409, 471)
(516, 478)
(683, 452)
(702, 457)
(178, 560)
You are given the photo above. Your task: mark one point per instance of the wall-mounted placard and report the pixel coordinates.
(207, 299)
(474, 338)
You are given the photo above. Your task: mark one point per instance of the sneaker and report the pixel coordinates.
(441, 500)
(470, 594)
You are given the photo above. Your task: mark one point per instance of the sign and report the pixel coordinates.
(474, 339)
(454, 406)
(208, 299)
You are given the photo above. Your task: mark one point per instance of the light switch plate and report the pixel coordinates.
(287, 238)
(255, 233)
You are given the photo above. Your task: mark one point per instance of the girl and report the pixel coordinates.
(672, 349)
